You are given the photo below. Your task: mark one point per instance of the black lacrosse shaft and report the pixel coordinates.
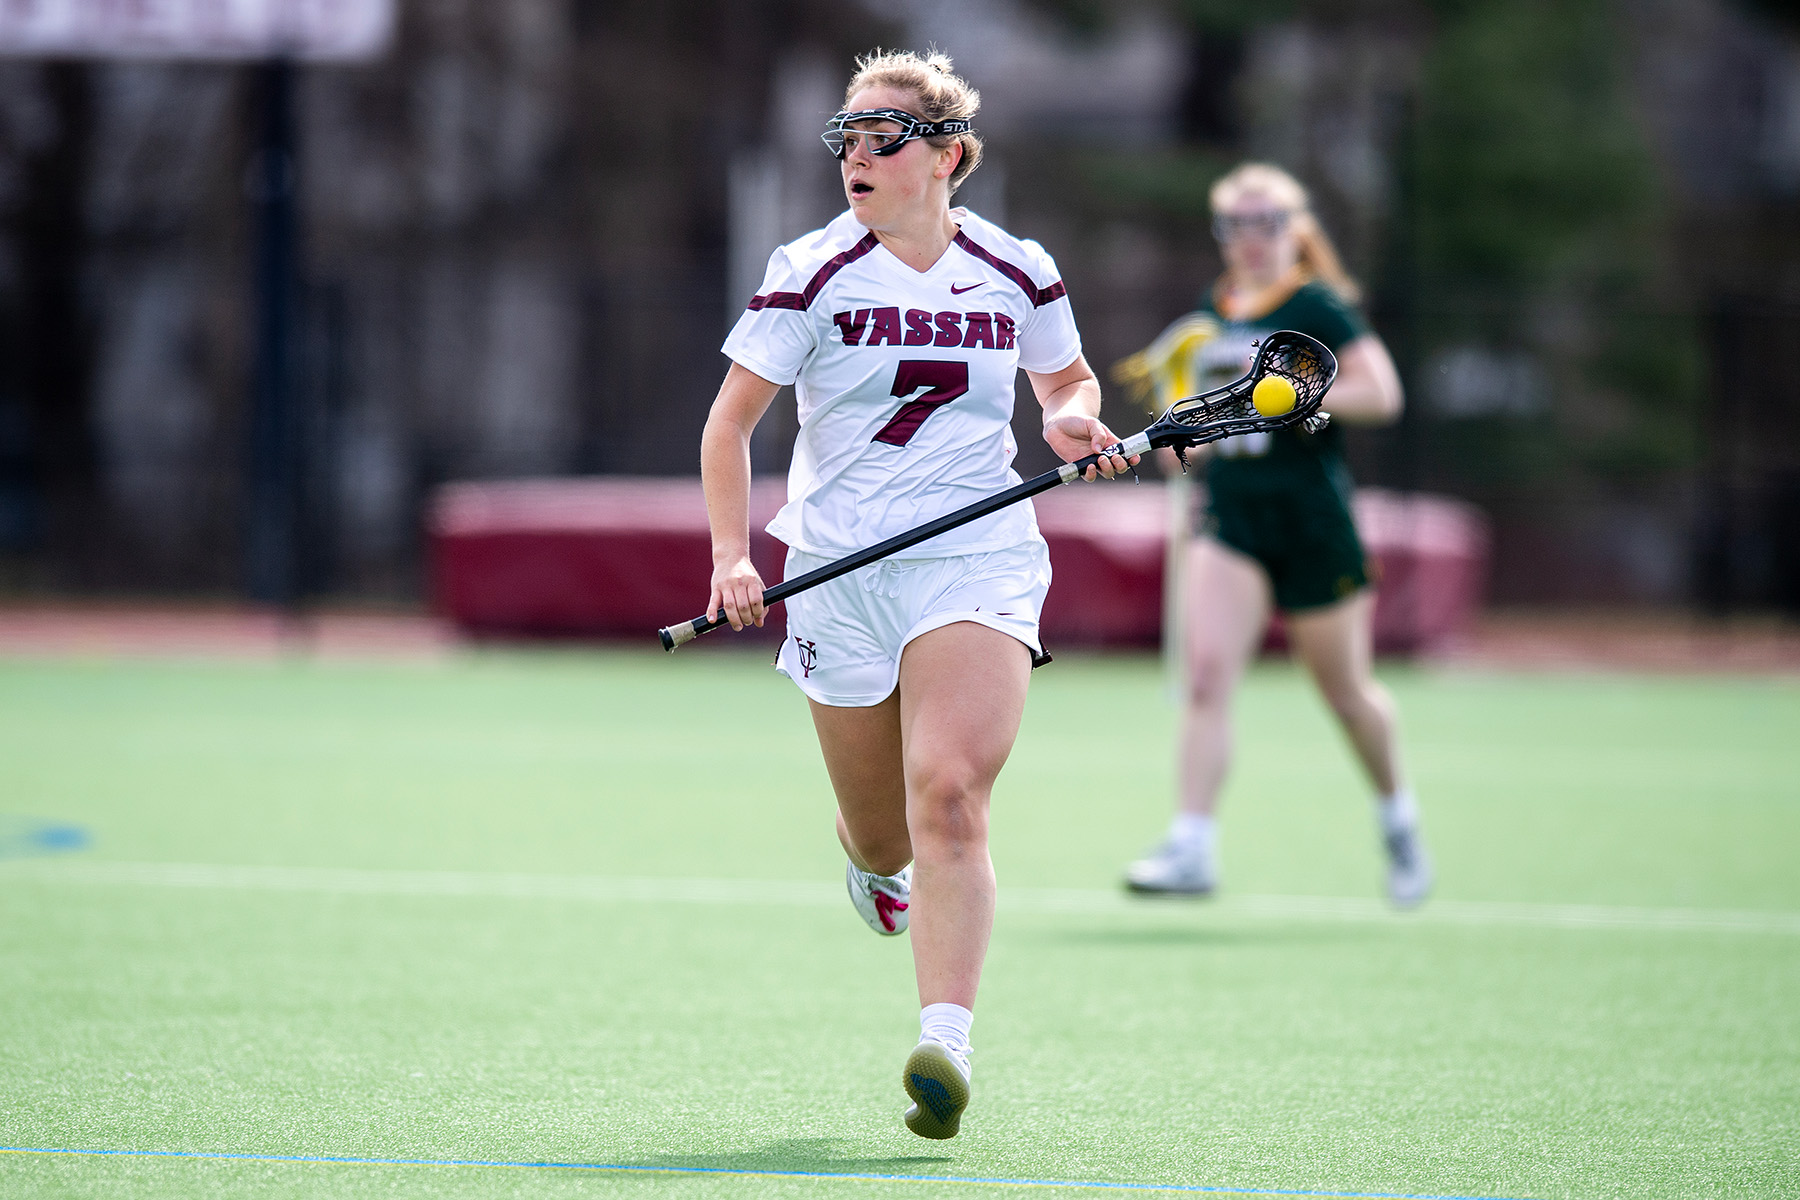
(688, 630)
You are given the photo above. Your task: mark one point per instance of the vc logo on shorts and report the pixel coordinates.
(809, 655)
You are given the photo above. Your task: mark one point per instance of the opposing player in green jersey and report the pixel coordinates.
(1278, 532)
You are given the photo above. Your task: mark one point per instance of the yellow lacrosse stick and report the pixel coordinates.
(1163, 372)
(1168, 369)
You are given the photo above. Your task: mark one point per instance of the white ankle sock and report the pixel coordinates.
(1398, 811)
(1193, 831)
(947, 1024)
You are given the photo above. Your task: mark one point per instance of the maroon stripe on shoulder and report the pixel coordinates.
(1037, 295)
(803, 300)
(823, 275)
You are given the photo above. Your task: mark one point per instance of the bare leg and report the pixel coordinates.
(862, 756)
(1336, 644)
(913, 776)
(1228, 606)
(962, 695)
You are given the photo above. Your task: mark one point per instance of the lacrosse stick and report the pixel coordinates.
(1221, 413)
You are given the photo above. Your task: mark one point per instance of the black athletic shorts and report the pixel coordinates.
(1302, 534)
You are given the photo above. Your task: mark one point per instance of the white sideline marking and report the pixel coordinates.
(1015, 902)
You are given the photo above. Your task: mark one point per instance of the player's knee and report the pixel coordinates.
(951, 830)
(1209, 680)
(1355, 701)
(948, 811)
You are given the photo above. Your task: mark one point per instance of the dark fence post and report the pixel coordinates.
(273, 486)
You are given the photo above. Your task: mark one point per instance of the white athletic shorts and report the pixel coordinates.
(844, 637)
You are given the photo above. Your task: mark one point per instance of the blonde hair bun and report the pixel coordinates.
(937, 90)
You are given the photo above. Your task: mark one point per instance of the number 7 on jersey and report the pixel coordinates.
(943, 380)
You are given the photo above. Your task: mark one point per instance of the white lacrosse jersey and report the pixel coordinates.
(905, 381)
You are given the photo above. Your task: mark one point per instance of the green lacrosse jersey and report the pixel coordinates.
(1283, 498)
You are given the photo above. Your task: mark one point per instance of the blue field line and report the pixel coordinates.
(748, 1172)
(23, 837)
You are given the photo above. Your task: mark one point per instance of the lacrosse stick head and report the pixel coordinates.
(1228, 411)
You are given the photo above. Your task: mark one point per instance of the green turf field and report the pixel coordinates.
(585, 908)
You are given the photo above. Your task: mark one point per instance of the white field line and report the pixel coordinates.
(1014, 901)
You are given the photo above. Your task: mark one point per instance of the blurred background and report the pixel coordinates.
(260, 297)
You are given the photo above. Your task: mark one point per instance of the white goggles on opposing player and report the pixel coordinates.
(1232, 227)
(885, 141)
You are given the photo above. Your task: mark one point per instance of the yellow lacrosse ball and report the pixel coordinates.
(1272, 396)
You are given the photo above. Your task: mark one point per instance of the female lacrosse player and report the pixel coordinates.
(1278, 530)
(902, 325)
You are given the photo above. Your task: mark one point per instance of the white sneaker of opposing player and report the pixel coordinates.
(1175, 870)
(1409, 867)
(937, 1080)
(882, 900)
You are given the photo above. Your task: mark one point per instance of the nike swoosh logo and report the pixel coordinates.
(957, 291)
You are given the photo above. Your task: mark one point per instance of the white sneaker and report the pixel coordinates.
(1174, 870)
(937, 1080)
(1409, 867)
(881, 899)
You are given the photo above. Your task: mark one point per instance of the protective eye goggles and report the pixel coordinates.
(885, 141)
(1260, 225)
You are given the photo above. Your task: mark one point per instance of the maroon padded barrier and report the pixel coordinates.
(1431, 561)
(621, 557)
(1107, 544)
(583, 557)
